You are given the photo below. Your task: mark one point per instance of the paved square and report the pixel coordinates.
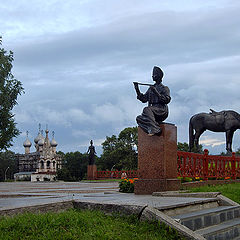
(22, 194)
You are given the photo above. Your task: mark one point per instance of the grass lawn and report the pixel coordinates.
(76, 224)
(231, 191)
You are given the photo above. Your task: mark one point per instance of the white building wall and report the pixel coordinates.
(41, 177)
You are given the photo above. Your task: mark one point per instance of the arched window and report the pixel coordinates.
(54, 164)
(41, 164)
(48, 164)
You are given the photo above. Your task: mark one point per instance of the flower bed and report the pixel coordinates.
(127, 185)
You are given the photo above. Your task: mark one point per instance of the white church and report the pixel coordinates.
(42, 164)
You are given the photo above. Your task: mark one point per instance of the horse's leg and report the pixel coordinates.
(198, 133)
(191, 135)
(229, 136)
(230, 139)
(191, 142)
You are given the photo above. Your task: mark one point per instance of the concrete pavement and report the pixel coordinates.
(23, 194)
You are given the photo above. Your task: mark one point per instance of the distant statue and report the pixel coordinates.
(91, 153)
(157, 96)
(225, 121)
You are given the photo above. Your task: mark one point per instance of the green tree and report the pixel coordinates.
(74, 166)
(120, 152)
(8, 165)
(185, 147)
(10, 88)
(238, 152)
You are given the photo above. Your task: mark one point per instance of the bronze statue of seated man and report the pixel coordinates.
(157, 96)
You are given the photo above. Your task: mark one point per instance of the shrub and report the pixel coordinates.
(127, 185)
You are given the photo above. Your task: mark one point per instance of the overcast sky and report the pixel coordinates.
(77, 60)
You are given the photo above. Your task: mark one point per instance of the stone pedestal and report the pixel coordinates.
(157, 161)
(92, 172)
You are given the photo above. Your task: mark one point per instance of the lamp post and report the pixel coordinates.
(6, 174)
(111, 171)
(113, 167)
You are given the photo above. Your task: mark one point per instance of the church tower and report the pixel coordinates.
(43, 164)
(27, 144)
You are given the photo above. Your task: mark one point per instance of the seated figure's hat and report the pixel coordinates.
(157, 71)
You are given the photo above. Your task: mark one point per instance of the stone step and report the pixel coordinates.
(226, 230)
(208, 217)
(189, 206)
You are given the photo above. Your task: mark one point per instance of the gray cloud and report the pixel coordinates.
(77, 63)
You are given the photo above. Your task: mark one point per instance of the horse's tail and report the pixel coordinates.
(191, 137)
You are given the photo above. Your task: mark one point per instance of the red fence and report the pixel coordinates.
(194, 165)
(117, 174)
(208, 166)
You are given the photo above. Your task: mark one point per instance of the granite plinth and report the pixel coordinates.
(148, 186)
(92, 172)
(157, 161)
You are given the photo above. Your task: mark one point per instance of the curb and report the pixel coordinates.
(184, 194)
(43, 208)
(110, 208)
(226, 201)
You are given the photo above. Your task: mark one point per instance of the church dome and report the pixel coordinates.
(41, 142)
(27, 143)
(39, 136)
(54, 143)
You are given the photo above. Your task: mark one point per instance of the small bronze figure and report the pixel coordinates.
(157, 96)
(91, 153)
(225, 121)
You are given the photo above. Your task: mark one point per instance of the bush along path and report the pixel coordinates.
(127, 185)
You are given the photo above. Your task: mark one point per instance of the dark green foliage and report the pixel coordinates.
(8, 159)
(227, 154)
(74, 166)
(223, 154)
(64, 174)
(120, 152)
(126, 186)
(185, 148)
(238, 151)
(87, 225)
(10, 88)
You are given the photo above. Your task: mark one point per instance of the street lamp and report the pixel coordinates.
(6, 173)
(111, 171)
(113, 167)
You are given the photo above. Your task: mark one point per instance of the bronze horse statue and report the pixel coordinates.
(225, 121)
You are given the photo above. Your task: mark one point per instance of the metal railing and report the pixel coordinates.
(193, 165)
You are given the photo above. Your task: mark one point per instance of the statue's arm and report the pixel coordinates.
(143, 97)
(137, 88)
(140, 96)
(164, 97)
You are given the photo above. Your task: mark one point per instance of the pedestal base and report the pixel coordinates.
(92, 172)
(157, 161)
(148, 186)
